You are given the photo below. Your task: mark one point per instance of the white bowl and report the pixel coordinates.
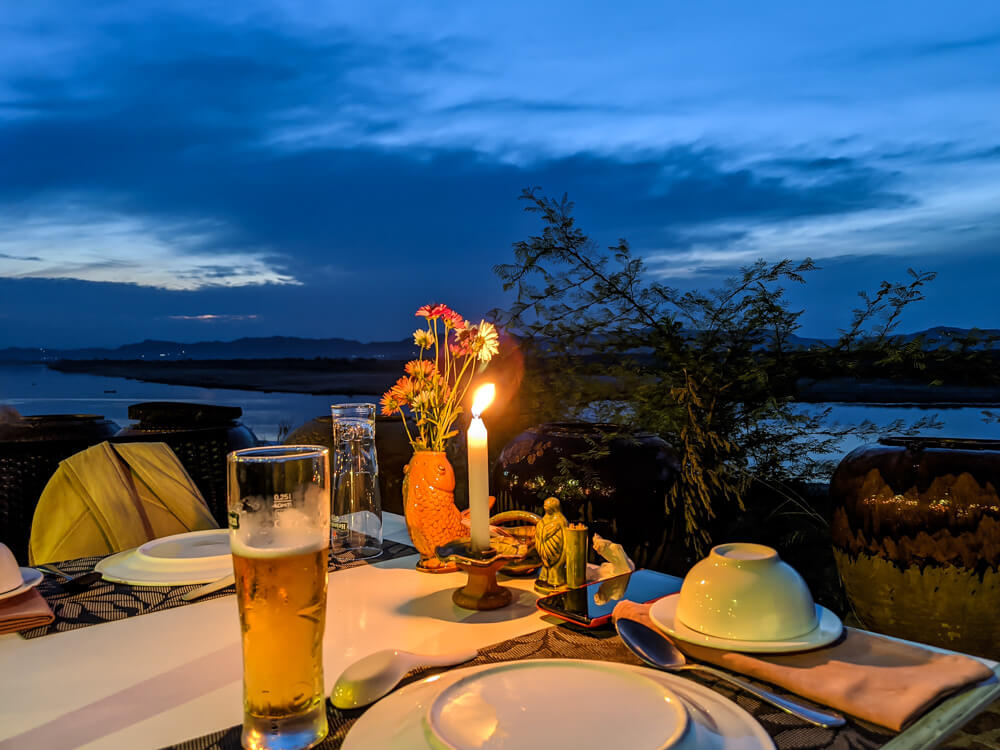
(10, 573)
(745, 592)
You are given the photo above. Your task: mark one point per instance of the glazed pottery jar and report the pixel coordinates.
(620, 495)
(432, 519)
(916, 535)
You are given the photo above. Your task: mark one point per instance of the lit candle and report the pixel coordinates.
(479, 478)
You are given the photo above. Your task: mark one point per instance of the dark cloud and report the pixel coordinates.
(932, 48)
(6, 256)
(215, 137)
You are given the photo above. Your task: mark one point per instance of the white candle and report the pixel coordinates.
(479, 479)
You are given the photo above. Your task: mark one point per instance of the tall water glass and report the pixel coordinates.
(279, 513)
(356, 515)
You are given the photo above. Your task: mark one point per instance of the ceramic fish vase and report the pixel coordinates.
(432, 519)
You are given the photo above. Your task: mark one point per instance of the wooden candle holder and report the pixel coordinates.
(481, 591)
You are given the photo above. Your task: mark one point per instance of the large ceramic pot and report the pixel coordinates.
(30, 451)
(432, 519)
(201, 435)
(916, 534)
(620, 496)
(391, 445)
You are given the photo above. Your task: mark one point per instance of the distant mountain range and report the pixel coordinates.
(288, 347)
(274, 347)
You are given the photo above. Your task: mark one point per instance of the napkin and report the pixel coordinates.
(24, 612)
(868, 676)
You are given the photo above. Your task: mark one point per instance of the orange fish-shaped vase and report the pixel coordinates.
(429, 508)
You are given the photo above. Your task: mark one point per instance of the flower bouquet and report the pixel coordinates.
(430, 394)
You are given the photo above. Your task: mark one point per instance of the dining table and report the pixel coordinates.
(145, 670)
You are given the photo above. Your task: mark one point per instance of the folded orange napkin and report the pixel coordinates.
(24, 612)
(874, 678)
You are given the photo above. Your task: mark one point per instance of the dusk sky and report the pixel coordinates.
(210, 170)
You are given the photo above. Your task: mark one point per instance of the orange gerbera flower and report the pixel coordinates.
(389, 404)
(420, 369)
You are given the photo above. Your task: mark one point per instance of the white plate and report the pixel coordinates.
(29, 579)
(714, 722)
(664, 614)
(178, 560)
(510, 707)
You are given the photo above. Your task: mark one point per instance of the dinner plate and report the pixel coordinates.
(178, 560)
(664, 614)
(29, 579)
(510, 707)
(714, 722)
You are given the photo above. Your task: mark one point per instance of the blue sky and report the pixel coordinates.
(211, 170)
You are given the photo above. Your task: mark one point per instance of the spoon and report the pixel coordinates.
(368, 679)
(657, 651)
(210, 588)
(72, 583)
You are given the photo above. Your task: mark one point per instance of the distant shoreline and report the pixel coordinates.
(359, 376)
(318, 377)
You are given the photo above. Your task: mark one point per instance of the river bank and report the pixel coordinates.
(318, 377)
(373, 376)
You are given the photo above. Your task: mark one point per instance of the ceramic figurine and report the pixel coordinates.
(550, 542)
(617, 561)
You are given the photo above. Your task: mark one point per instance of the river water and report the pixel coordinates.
(34, 389)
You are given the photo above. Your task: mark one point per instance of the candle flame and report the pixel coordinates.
(483, 398)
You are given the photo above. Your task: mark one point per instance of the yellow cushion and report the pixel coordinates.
(114, 497)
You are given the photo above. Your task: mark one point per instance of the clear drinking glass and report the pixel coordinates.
(279, 513)
(356, 514)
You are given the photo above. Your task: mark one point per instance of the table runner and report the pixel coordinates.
(565, 642)
(107, 601)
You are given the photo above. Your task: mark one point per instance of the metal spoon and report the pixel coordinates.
(656, 650)
(370, 678)
(72, 583)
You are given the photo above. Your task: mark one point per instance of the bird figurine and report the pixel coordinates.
(550, 544)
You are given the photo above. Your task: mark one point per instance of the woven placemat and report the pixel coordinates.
(107, 601)
(564, 642)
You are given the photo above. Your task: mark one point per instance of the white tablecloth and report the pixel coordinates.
(165, 677)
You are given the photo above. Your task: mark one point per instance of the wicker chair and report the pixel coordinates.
(30, 451)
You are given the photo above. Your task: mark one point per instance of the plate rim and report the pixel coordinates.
(680, 710)
(30, 577)
(169, 578)
(689, 692)
(822, 635)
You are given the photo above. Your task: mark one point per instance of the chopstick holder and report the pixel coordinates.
(872, 677)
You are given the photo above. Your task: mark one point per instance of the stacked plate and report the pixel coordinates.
(546, 703)
(179, 560)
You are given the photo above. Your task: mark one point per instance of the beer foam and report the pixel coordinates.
(278, 543)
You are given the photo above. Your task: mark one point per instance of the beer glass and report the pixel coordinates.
(279, 516)
(356, 515)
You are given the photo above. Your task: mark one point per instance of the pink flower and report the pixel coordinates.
(433, 310)
(453, 320)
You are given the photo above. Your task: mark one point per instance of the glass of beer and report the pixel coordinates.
(279, 516)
